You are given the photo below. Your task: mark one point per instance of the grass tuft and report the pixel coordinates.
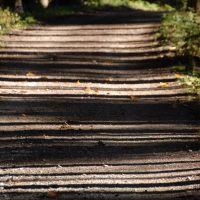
(10, 20)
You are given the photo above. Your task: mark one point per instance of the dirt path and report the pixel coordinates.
(90, 109)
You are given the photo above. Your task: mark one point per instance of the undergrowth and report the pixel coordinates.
(189, 78)
(181, 30)
(10, 20)
(134, 4)
(193, 81)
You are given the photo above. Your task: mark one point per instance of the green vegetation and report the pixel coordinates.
(135, 4)
(191, 80)
(10, 20)
(181, 30)
(34, 12)
(62, 8)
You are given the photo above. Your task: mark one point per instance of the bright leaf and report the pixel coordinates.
(30, 74)
(163, 85)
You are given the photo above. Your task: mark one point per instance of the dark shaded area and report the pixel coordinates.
(75, 66)
(119, 195)
(107, 15)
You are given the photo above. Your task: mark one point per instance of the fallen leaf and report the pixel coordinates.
(30, 74)
(45, 136)
(134, 98)
(24, 115)
(172, 48)
(10, 179)
(65, 126)
(88, 89)
(163, 85)
(178, 75)
(97, 90)
(189, 178)
(109, 79)
(52, 194)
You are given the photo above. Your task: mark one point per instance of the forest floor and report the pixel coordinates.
(91, 109)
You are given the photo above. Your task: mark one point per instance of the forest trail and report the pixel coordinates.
(90, 109)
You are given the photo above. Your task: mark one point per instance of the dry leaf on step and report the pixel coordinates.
(163, 85)
(109, 79)
(133, 98)
(65, 126)
(88, 89)
(178, 75)
(30, 74)
(97, 90)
